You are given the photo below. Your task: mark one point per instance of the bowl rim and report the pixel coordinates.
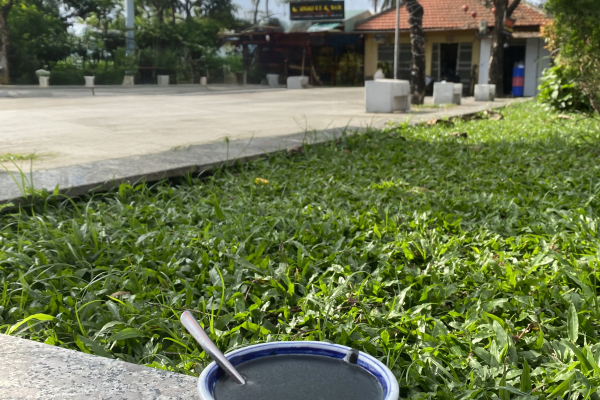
(379, 370)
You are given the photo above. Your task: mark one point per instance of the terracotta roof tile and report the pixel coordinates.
(449, 14)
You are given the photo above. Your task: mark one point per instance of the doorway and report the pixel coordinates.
(448, 62)
(512, 55)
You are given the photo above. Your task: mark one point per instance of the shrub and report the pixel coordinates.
(575, 35)
(67, 77)
(235, 63)
(559, 90)
(109, 77)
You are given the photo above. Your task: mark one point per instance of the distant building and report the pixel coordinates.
(457, 43)
(330, 53)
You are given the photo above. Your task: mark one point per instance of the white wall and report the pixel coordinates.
(536, 60)
(543, 61)
(485, 53)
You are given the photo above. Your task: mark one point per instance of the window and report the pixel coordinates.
(463, 65)
(385, 55)
(435, 62)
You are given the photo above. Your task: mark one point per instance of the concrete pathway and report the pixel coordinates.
(82, 141)
(37, 371)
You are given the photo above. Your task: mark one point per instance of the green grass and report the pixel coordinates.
(467, 265)
(10, 157)
(432, 106)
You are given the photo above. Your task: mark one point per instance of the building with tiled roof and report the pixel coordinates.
(457, 42)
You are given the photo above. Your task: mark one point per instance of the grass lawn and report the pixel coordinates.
(466, 264)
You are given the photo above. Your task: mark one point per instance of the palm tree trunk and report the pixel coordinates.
(417, 42)
(496, 74)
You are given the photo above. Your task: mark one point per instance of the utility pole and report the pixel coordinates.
(130, 40)
(396, 39)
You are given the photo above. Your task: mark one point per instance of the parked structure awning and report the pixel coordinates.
(323, 27)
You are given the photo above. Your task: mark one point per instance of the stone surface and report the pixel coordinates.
(297, 82)
(273, 80)
(145, 131)
(485, 92)
(128, 80)
(387, 95)
(44, 81)
(162, 80)
(457, 93)
(443, 93)
(31, 370)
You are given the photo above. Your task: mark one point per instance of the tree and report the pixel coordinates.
(5, 8)
(256, 4)
(417, 43)
(496, 74)
(38, 36)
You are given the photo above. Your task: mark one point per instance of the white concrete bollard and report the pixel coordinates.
(273, 80)
(89, 81)
(297, 82)
(162, 80)
(44, 81)
(457, 94)
(485, 92)
(387, 95)
(203, 81)
(443, 93)
(128, 80)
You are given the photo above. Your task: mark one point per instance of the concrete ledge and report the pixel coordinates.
(32, 370)
(447, 93)
(387, 95)
(15, 91)
(163, 80)
(297, 82)
(457, 94)
(79, 179)
(485, 92)
(273, 80)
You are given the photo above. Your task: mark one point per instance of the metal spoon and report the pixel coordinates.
(194, 328)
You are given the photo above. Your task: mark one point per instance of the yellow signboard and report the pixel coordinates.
(316, 10)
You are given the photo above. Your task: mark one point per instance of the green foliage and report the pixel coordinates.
(67, 74)
(560, 91)
(11, 157)
(386, 68)
(183, 47)
(575, 33)
(468, 265)
(350, 69)
(38, 37)
(235, 63)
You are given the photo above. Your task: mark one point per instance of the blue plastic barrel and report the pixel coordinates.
(518, 80)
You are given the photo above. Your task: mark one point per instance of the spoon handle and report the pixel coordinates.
(194, 328)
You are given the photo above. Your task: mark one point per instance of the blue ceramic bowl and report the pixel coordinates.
(210, 375)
